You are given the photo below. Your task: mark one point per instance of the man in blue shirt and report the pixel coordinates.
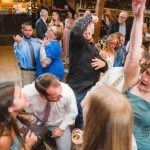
(26, 49)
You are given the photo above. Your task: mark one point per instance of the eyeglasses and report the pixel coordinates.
(122, 17)
(51, 30)
(113, 43)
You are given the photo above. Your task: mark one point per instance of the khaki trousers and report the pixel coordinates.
(27, 77)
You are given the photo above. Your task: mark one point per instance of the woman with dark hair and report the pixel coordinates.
(12, 101)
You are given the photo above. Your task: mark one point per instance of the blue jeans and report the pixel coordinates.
(79, 119)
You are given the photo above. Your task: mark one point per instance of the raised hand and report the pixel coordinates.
(18, 39)
(138, 7)
(95, 19)
(45, 41)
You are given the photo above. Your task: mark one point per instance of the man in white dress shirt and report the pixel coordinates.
(62, 110)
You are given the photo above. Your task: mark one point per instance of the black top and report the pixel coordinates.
(81, 75)
(41, 28)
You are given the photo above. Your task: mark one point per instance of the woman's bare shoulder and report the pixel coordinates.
(5, 140)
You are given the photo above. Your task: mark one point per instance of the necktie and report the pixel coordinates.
(31, 52)
(46, 112)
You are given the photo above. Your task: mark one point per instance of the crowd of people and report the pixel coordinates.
(105, 102)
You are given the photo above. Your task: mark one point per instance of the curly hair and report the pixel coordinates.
(145, 66)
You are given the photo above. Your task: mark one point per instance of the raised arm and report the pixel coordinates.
(132, 67)
(19, 49)
(76, 36)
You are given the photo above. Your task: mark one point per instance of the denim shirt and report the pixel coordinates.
(120, 58)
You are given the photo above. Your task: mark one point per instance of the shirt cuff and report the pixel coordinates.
(63, 126)
(19, 46)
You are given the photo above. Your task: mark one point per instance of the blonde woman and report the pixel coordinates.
(55, 21)
(111, 48)
(49, 58)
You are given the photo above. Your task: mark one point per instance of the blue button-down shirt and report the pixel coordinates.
(23, 52)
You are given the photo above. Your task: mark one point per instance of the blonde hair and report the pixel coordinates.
(118, 34)
(57, 14)
(58, 32)
(109, 39)
(109, 120)
(56, 22)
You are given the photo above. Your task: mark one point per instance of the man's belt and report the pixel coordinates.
(27, 69)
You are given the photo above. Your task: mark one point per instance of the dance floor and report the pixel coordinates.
(9, 70)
